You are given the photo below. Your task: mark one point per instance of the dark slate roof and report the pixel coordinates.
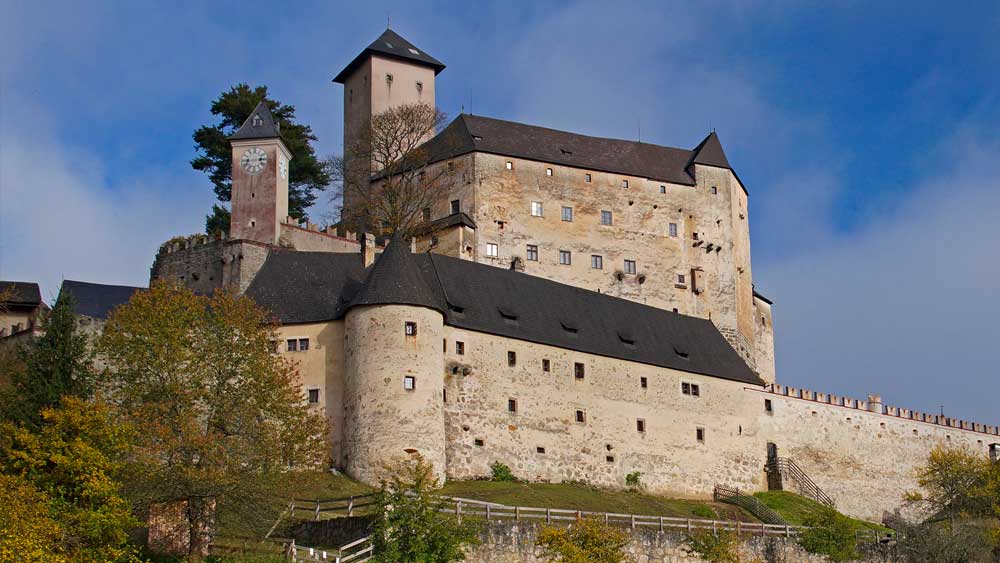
(268, 128)
(460, 218)
(469, 133)
(391, 45)
(22, 293)
(301, 287)
(97, 300)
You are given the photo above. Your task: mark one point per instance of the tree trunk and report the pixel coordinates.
(201, 517)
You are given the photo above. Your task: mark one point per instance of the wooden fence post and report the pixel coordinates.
(517, 513)
(738, 529)
(487, 513)
(788, 531)
(689, 526)
(548, 516)
(350, 506)
(632, 521)
(317, 511)
(661, 523)
(715, 528)
(458, 511)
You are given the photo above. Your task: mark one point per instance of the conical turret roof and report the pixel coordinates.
(260, 125)
(396, 279)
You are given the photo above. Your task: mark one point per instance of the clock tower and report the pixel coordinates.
(260, 178)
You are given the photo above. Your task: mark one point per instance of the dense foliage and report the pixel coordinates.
(830, 533)
(501, 472)
(588, 540)
(719, 547)
(307, 175)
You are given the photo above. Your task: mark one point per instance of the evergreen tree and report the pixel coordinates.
(307, 174)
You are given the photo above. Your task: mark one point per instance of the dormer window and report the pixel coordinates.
(257, 121)
(681, 353)
(569, 327)
(626, 338)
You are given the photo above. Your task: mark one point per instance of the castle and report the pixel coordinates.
(578, 308)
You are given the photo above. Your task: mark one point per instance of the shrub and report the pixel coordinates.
(829, 533)
(703, 511)
(633, 482)
(589, 540)
(721, 547)
(501, 472)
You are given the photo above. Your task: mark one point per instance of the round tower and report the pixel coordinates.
(394, 370)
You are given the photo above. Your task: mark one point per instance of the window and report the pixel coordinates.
(411, 328)
(478, 442)
(673, 229)
(581, 417)
(511, 358)
(536, 209)
(291, 345)
(609, 459)
(681, 279)
(768, 406)
(533, 252)
(995, 452)
(578, 370)
(640, 425)
(605, 217)
(663, 189)
(715, 190)
(455, 206)
(510, 165)
(624, 183)
(597, 262)
(460, 347)
(409, 383)
(565, 258)
(548, 171)
(540, 449)
(567, 213)
(643, 382)
(512, 405)
(388, 78)
(691, 389)
(630, 267)
(545, 365)
(444, 395)
(427, 214)
(699, 434)
(694, 236)
(492, 249)
(313, 396)
(586, 178)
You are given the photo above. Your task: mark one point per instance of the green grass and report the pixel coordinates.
(796, 509)
(574, 496)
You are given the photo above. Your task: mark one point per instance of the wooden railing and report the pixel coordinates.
(357, 551)
(807, 487)
(750, 503)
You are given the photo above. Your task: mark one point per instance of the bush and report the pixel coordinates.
(632, 481)
(501, 472)
(703, 511)
(721, 547)
(830, 533)
(589, 540)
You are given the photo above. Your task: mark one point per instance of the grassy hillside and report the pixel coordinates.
(796, 509)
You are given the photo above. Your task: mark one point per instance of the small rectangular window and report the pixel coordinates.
(694, 236)
(540, 449)
(512, 405)
(427, 214)
(630, 267)
(680, 278)
(686, 388)
(567, 213)
(699, 435)
(768, 407)
(640, 425)
(291, 345)
(548, 171)
(409, 383)
(624, 183)
(492, 249)
(578, 370)
(313, 396)
(455, 206)
(533, 252)
(695, 390)
(586, 178)
(673, 229)
(510, 165)
(565, 258)
(643, 382)
(691, 389)
(663, 189)
(545, 365)
(460, 347)
(715, 190)
(609, 458)
(605, 217)
(511, 358)
(478, 442)
(536, 209)
(597, 262)
(581, 416)
(303, 344)
(444, 395)
(411, 328)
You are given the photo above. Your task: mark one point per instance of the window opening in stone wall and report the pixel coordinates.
(510, 165)
(691, 389)
(578, 370)
(444, 395)
(455, 206)
(694, 236)
(460, 347)
(567, 213)
(545, 365)
(995, 452)
(512, 405)
(663, 189)
(609, 459)
(630, 267)
(673, 229)
(643, 382)
(533, 252)
(581, 416)
(444, 345)
(586, 178)
(565, 258)
(409, 383)
(478, 442)
(427, 214)
(536, 209)
(681, 278)
(501, 224)
(624, 183)
(596, 262)
(492, 249)
(548, 171)
(420, 86)
(313, 396)
(768, 407)
(511, 358)
(640, 425)
(699, 435)
(540, 449)
(605, 217)
(291, 345)
(411, 328)
(715, 190)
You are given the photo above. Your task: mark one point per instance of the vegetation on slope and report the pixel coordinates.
(797, 509)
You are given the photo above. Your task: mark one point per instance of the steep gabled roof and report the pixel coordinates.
(709, 152)
(396, 279)
(97, 300)
(391, 44)
(260, 125)
(21, 293)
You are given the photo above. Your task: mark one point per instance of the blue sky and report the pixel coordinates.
(868, 135)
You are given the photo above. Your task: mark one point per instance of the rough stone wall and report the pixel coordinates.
(386, 423)
(668, 454)
(314, 240)
(764, 340)
(866, 461)
(205, 264)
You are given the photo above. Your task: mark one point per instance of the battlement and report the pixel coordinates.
(874, 405)
(179, 243)
(336, 232)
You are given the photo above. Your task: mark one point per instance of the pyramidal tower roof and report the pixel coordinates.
(709, 152)
(390, 44)
(260, 125)
(396, 279)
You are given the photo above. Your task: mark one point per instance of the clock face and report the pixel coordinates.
(253, 160)
(282, 167)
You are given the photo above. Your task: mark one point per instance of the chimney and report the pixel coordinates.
(875, 403)
(368, 248)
